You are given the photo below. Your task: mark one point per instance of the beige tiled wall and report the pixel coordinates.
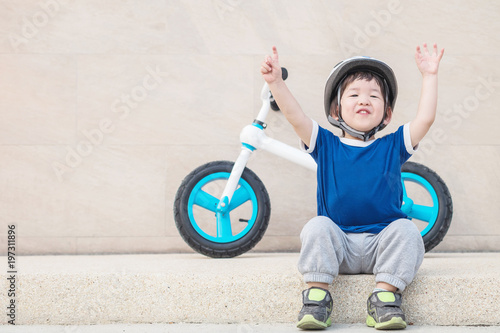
(106, 106)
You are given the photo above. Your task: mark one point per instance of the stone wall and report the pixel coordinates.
(106, 106)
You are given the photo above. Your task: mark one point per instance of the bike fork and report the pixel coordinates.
(222, 211)
(250, 141)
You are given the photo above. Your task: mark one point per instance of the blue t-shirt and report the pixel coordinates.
(359, 183)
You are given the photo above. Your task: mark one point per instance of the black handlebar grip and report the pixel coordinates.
(284, 73)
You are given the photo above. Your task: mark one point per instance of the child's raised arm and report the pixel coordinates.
(428, 64)
(271, 72)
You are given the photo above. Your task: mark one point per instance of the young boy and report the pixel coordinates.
(360, 227)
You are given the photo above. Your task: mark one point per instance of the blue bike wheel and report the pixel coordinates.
(224, 231)
(211, 232)
(427, 202)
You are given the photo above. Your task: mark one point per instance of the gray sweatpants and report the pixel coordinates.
(393, 255)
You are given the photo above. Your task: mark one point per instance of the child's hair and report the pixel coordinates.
(368, 76)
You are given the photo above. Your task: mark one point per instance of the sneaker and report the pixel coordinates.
(315, 313)
(384, 311)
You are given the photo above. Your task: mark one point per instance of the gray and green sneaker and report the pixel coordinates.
(315, 313)
(384, 311)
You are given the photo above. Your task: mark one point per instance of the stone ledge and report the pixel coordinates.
(450, 289)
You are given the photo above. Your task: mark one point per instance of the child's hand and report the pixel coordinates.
(428, 63)
(271, 69)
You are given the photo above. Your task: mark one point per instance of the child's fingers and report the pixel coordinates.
(441, 54)
(270, 62)
(438, 53)
(426, 50)
(275, 52)
(265, 68)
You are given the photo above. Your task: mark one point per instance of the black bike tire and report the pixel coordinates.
(443, 221)
(209, 248)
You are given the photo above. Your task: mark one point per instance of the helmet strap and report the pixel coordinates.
(365, 136)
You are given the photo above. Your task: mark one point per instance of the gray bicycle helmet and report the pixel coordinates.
(352, 65)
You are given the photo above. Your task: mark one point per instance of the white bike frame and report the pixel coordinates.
(253, 137)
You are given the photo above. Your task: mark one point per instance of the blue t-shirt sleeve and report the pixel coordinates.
(403, 137)
(319, 136)
(314, 138)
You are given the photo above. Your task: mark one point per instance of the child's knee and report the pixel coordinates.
(405, 228)
(318, 227)
(404, 232)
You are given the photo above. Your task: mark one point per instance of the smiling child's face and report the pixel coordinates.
(363, 105)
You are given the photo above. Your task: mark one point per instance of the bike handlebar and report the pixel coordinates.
(268, 100)
(284, 73)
